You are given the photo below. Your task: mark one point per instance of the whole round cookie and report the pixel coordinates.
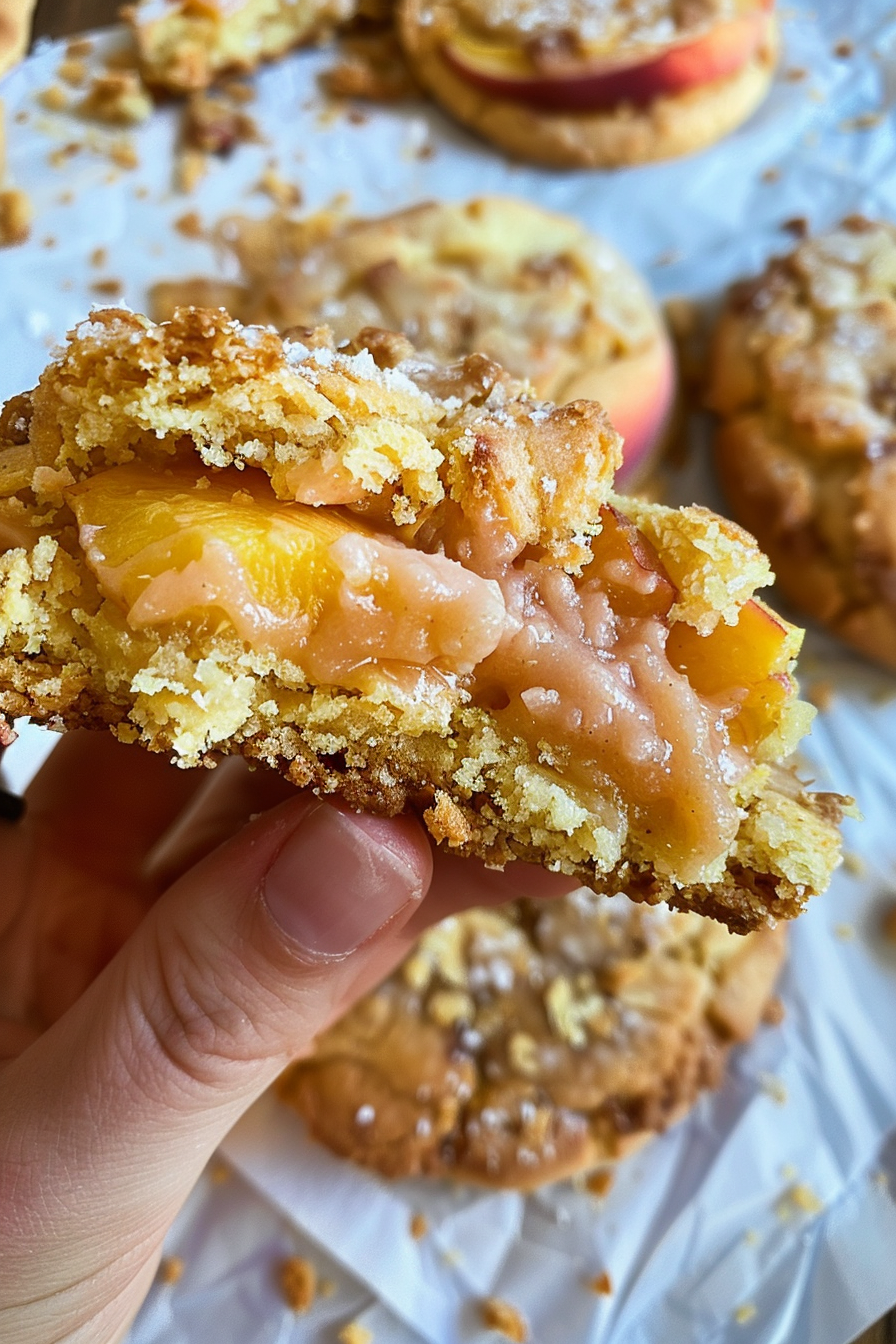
(527, 1043)
(804, 377)
(533, 290)
(595, 85)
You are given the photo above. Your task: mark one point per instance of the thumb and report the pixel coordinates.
(109, 1117)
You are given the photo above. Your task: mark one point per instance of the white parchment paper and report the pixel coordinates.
(699, 1234)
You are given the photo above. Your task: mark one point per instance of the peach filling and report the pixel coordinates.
(310, 585)
(647, 718)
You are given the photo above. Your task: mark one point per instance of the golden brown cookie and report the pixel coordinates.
(531, 289)
(524, 1044)
(184, 46)
(412, 586)
(804, 379)
(15, 31)
(579, 85)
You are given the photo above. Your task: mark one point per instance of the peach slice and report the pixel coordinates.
(313, 585)
(595, 83)
(753, 657)
(637, 392)
(629, 569)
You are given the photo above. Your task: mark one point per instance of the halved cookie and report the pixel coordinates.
(411, 586)
(581, 85)
(525, 1044)
(185, 44)
(531, 289)
(804, 377)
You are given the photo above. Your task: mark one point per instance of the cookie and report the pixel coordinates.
(412, 586)
(803, 376)
(531, 289)
(183, 46)
(15, 31)
(535, 1041)
(593, 87)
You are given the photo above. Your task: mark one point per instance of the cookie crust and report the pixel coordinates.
(666, 128)
(802, 376)
(527, 1044)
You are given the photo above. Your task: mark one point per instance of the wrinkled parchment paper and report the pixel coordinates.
(701, 1234)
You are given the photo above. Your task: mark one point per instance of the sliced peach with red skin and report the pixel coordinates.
(593, 84)
(629, 569)
(637, 392)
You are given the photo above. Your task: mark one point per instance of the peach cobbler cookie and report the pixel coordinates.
(531, 289)
(804, 378)
(412, 586)
(520, 1045)
(593, 84)
(185, 44)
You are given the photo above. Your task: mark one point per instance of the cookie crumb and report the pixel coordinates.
(117, 97)
(845, 932)
(99, 256)
(108, 287)
(53, 99)
(72, 71)
(15, 217)
(799, 1198)
(283, 193)
(773, 1013)
(501, 1317)
(844, 48)
(355, 1333)
(78, 48)
(751, 1237)
(881, 1180)
(419, 1226)
(601, 1284)
(189, 224)
(798, 225)
(171, 1270)
(452, 1259)
(298, 1283)
(888, 923)
(770, 175)
(744, 1313)
(854, 864)
(123, 154)
(864, 122)
(773, 1087)
(190, 167)
(819, 693)
(795, 74)
(600, 1182)
(326, 1288)
(219, 1172)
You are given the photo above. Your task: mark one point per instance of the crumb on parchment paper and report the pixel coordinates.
(419, 1226)
(298, 1283)
(504, 1319)
(16, 215)
(355, 1333)
(601, 1284)
(171, 1269)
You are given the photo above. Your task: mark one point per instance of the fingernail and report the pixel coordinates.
(336, 881)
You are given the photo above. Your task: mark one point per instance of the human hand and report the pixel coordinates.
(162, 958)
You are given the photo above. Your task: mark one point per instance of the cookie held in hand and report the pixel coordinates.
(411, 586)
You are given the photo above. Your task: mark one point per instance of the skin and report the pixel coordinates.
(169, 941)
